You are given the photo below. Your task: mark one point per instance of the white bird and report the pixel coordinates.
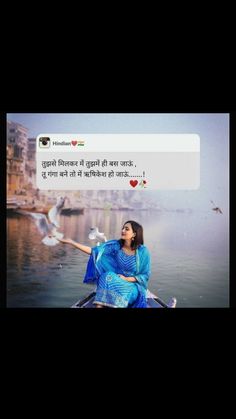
(48, 226)
(96, 235)
(172, 303)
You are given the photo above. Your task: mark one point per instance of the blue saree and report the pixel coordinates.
(106, 262)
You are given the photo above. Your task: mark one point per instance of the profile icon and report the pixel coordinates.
(44, 142)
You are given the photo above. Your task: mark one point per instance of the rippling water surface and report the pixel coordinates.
(190, 258)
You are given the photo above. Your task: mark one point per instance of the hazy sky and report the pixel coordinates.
(213, 130)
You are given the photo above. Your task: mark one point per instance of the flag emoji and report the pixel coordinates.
(80, 143)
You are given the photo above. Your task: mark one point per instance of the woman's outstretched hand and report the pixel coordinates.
(65, 241)
(82, 247)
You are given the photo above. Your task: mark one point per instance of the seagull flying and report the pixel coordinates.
(216, 209)
(48, 226)
(96, 235)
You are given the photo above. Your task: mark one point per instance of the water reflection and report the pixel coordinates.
(189, 258)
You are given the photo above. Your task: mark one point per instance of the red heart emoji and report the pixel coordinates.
(73, 142)
(133, 183)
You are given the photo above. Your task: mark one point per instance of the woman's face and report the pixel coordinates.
(127, 232)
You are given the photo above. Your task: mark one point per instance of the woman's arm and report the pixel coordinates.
(85, 249)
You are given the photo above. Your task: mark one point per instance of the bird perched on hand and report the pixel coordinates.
(216, 209)
(48, 226)
(96, 235)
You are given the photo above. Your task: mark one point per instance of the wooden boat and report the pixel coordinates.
(12, 205)
(72, 211)
(152, 301)
(11, 209)
(27, 208)
(45, 210)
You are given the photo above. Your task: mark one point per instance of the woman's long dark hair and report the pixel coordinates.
(138, 239)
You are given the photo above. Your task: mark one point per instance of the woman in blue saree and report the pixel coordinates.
(119, 268)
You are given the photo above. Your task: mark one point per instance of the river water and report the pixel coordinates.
(189, 252)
